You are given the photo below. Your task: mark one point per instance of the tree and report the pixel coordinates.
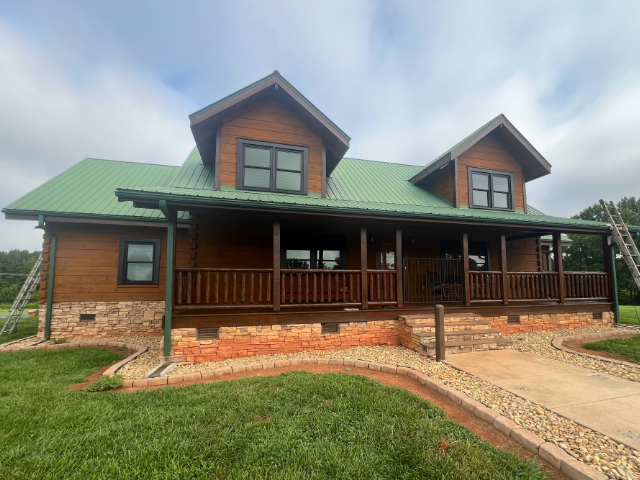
(15, 265)
(586, 252)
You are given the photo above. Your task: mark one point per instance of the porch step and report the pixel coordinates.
(459, 335)
(467, 346)
(429, 318)
(448, 326)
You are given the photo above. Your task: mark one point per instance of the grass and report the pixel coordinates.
(26, 327)
(626, 349)
(628, 315)
(292, 426)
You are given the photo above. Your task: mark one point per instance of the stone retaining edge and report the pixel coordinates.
(548, 451)
(110, 372)
(558, 342)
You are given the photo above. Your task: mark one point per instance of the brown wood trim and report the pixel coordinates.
(465, 267)
(524, 192)
(324, 168)
(557, 259)
(456, 188)
(276, 266)
(363, 268)
(607, 262)
(399, 269)
(503, 264)
(194, 320)
(98, 221)
(216, 179)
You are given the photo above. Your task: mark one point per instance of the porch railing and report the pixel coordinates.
(587, 285)
(485, 286)
(541, 286)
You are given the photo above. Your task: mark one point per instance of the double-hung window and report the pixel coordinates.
(490, 189)
(271, 167)
(139, 262)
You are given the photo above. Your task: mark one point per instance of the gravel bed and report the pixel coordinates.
(140, 366)
(25, 342)
(605, 455)
(539, 342)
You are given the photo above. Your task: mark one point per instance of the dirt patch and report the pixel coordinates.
(578, 348)
(97, 374)
(455, 412)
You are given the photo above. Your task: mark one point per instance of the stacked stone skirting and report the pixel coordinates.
(548, 321)
(113, 319)
(558, 343)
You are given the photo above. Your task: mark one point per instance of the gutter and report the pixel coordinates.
(128, 195)
(171, 265)
(51, 277)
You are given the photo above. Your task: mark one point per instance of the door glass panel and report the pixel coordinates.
(257, 157)
(288, 181)
(387, 260)
(500, 200)
(257, 177)
(289, 161)
(480, 181)
(298, 258)
(480, 198)
(500, 183)
(140, 272)
(139, 253)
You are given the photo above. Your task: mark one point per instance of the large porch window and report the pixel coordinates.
(479, 259)
(310, 252)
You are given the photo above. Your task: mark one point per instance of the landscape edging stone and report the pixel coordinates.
(558, 343)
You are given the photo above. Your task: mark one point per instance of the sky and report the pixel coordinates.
(406, 80)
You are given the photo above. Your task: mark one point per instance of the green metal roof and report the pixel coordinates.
(87, 190)
(285, 81)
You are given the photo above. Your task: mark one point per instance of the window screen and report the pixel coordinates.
(272, 167)
(490, 189)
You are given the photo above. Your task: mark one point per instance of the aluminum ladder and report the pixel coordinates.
(623, 238)
(24, 297)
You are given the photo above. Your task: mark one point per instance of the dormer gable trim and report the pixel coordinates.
(533, 163)
(206, 121)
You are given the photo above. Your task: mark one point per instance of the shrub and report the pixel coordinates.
(105, 383)
(58, 341)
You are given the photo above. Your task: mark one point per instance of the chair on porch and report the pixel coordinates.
(442, 291)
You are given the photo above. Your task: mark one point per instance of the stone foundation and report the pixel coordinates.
(548, 321)
(237, 342)
(113, 319)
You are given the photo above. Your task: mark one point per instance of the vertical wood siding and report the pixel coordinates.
(489, 154)
(442, 182)
(269, 122)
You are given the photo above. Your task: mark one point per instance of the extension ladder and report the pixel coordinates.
(626, 245)
(24, 297)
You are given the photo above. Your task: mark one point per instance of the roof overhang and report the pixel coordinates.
(204, 122)
(534, 165)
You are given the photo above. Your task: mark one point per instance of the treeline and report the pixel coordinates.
(585, 252)
(15, 265)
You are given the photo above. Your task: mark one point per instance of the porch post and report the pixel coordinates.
(557, 260)
(614, 281)
(363, 268)
(276, 266)
(171, 265)
(503, 265)
(399, 268)
(465, 269)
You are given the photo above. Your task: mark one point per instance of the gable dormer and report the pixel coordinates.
(489, 169)
(269, 137)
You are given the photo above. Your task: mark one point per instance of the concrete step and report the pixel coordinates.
(466, 346)
(448, 326)
(430, 318)
(460, 335)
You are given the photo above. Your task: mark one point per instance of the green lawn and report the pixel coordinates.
(626, 349)
(26, 326)
(628, 315)
(296, 425)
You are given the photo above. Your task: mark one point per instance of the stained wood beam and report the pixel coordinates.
(557, 260)
(363, 268)
(399, 269)
(503, 266)
(276, 266)
(465, 269)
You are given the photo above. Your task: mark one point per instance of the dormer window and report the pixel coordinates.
(491, 189)
(272, 167)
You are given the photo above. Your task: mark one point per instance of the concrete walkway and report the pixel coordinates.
(607, 404)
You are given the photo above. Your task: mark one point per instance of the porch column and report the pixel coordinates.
(399, 268)
(465, 269)
(363, 269)
(276, 266)
(557, 261)
(610, 254)
(171, 265)
(503, 265)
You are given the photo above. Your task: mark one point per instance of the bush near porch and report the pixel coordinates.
(296, 425)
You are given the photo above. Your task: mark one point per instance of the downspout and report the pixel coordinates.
(171, 264)
(614, 281)
(51, 277)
